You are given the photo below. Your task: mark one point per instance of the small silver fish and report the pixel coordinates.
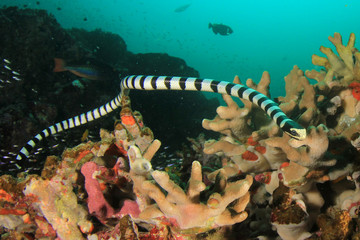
(7, 67)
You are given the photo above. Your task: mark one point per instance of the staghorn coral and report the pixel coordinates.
(243, 128)
(342, 69)
(185, 208)
(140, 171)
(240, 122)
(300, 96)
(340, 78)
(328, 152)
(302, 100)
(309, 152)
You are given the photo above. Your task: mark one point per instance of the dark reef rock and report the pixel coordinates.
(159, 64)
(105, 46)
(30, 39)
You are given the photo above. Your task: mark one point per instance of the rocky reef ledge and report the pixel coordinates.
(30, 41)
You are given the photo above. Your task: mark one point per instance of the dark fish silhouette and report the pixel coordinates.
(221, 29)
(182, 8)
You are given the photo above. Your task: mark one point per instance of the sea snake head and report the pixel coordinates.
(297, 133)
(294, 130)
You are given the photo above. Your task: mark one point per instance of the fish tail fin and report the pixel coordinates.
(210, 25)
(59, 65)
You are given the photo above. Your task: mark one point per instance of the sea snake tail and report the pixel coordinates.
(141, 82)
(70, 123)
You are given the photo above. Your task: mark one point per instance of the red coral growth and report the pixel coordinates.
(250, 156)
(4, 211)
(4, 196)
(251, 141)
(355, 86)
(263, 177)
(284, 165)
(82, 155)
(128, 120)
(260, 149)
(168, 221)
(157, 232)
(153, 234)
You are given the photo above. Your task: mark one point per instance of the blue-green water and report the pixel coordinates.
(268, 35)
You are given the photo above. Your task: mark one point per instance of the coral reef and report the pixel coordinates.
(328, 155)
(114, 180)
(57, 203)
(188, 211)
(334, 224)
(114, 188)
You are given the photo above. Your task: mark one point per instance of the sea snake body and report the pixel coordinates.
(141, 82)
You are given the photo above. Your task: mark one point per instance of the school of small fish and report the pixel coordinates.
(7, 74)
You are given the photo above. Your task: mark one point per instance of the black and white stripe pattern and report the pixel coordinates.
(70, 123)
(208, 85)
(173, 83)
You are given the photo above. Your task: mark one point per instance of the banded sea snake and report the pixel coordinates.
(141, 82)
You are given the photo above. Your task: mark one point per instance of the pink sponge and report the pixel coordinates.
(97, 203)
